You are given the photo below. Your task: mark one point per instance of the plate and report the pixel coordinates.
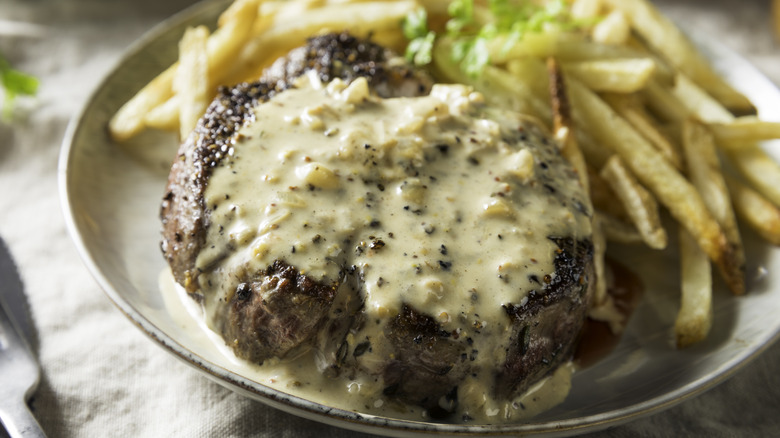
(111, 195)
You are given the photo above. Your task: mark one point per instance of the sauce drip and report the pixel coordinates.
(597, 339)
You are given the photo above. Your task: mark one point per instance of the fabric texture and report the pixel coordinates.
(101, 376)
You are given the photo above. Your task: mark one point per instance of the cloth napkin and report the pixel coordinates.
(101, 376)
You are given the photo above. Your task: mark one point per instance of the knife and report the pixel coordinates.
(19, 369)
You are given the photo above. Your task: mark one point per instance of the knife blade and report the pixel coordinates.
(19, 370)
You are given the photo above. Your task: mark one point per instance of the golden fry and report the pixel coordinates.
(638, 202)
(705, 173)
(563, 125)
(744, 131)
(632, 110)
(613, 75)
(694, 318)
(191, 82)
(614, 29)
(164, 116)
(757, 212)
(586, 9)
(129, 120)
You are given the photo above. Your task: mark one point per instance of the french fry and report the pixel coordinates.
(744, 131)
(705, 173)
(586, 9)
(698, 102)
(228, 40)
(759, 169)
(639, 203)
(563, 125)
(129, 120)
(633, 112)
(760, 214)
(614, 29)
(666, 38)
(613, 75)
(654, 172)
(191, 82)
(694, 319)
(164, 116)
(750, 160)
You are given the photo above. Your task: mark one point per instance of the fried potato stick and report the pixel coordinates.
(640, 205)
(191, 83)
(694, 319)
(704, 171)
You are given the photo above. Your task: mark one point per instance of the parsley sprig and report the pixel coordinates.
(511, 20)
(15, 83)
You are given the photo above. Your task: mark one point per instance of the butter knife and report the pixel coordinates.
(19, 371)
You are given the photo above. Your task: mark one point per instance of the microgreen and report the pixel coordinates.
(415, 29)
(14, 83)
(511, 19)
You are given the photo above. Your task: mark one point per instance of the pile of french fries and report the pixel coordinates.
(637, 109)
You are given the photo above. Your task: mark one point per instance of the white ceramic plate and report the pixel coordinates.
(111, 197)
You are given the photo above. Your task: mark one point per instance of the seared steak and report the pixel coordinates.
(418, 355)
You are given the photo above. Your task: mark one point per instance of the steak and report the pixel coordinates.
(419, 357)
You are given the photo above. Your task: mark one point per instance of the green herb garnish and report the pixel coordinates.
(14, 83)
(510, 20)
(415, 29)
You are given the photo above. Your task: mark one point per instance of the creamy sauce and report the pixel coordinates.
(438, 202)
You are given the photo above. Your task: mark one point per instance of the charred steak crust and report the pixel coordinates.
(545, 328)
(183, 215)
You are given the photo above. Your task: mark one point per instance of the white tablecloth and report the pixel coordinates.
(101, 375)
